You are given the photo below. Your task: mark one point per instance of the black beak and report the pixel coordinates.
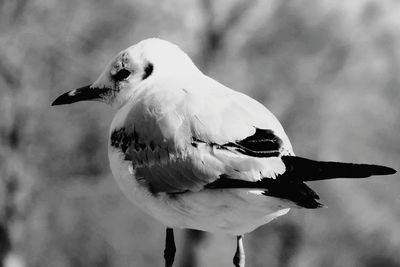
(80, 94)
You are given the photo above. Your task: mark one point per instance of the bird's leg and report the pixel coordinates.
(238, 259)
(170, 249)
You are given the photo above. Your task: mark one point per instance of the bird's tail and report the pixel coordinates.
(311, 170)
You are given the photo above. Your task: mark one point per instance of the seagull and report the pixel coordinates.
(196, 154)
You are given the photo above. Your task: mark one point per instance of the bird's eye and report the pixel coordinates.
(121, 75)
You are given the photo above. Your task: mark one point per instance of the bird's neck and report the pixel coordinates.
(120, 117)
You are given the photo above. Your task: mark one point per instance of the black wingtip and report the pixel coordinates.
(318, 205)
(311, 170)
(313, 204)
(382, 170)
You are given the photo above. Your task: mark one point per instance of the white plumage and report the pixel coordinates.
(195, 154)
(169, 112)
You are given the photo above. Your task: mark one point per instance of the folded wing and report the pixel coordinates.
(196, 141)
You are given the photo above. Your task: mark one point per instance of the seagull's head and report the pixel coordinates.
(131, 70)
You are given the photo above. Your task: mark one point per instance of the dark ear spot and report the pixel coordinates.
(148, 70)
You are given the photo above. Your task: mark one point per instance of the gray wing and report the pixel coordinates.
(192, 139)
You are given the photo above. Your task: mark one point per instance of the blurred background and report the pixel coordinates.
(329, 70)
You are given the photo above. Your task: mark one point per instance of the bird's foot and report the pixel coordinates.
(170, 249)
(239, 258)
